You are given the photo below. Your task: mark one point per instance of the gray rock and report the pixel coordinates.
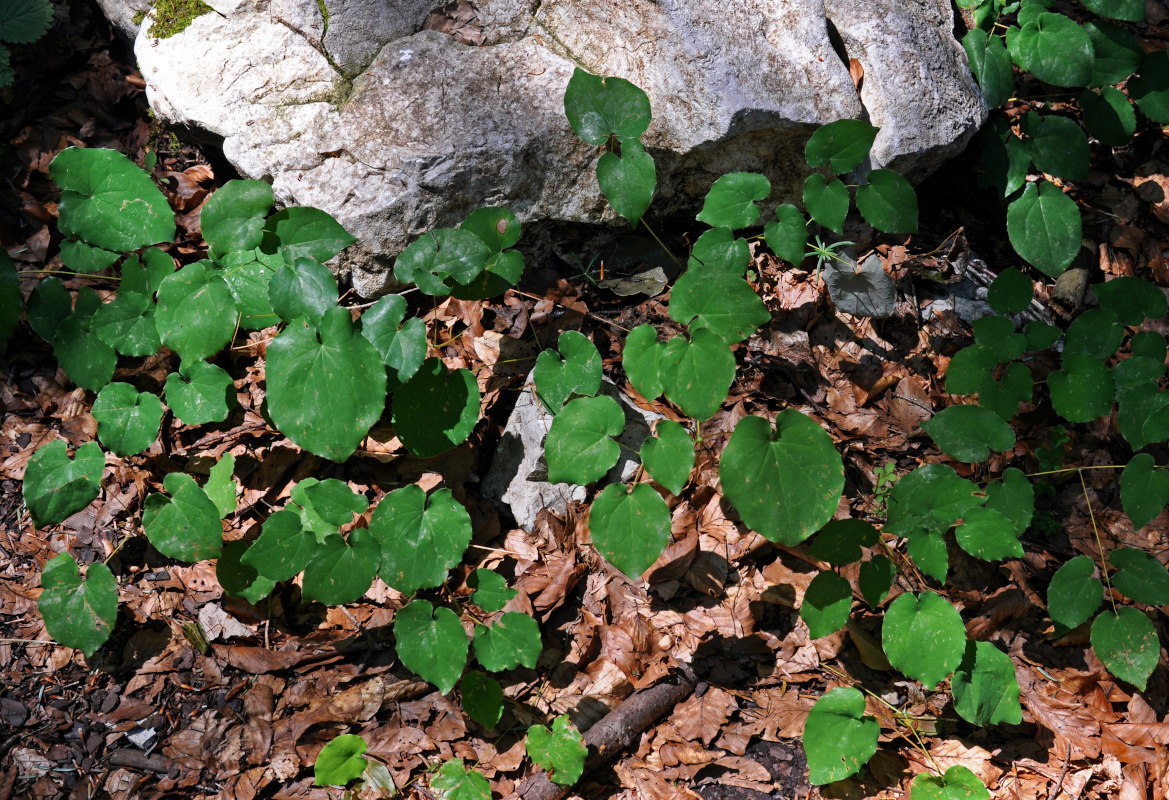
(395, 132)
(518, 477)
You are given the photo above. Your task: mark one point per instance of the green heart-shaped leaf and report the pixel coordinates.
(512, 640)
(697, 373)
(441, 260)
(127, 420)
(784, 481)
(991, 65)
(55, 488)
(598, 108)
(1073, 594)
(196, 314)
(1056, 144)
(184, 526)
(491, 592)
(402, 345)
(1108, 115)
(482, 698)
(78, 612)
(233, 217)
(1082, 389)
(284, 547)
(923, 637)
(642, 360)
(1128, 645)
(340, 761)
(628, 181)
(1053, 48)
(436, 409)
(788, 235)
(842, 145)
(984, 686)
(239, 579)
(630, 528)
(561, 751)
(431, 643)
(1144, 490)
(421, 538)
(108, 201)
(305, 232)
(989, 535)
(839, 737)
(827, 604)
(326, 385)
(840, 541)
(453, 781)
(730, 203)
(1044, 228)
(200, 393)
(876, 579)
(1010, 292)
(342, 570)
(722, 303)
(304, 288)
(248, 277)
(888, 202)
(1139, 576)
(127, 324)
(969, 433)
(718, 251)
(929, 499)
(576, 370)
(959, 783)
(826, 201)
(1127, 10)
(669, 455)
(580, 448)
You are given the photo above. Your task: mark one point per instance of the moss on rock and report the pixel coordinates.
(173, 16)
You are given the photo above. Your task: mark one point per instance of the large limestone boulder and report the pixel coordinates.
(395, 130)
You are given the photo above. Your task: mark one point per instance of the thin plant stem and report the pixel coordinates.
(71, 274)
(1099, 543)
(898, 714)
(1063, 470)
(661, 244)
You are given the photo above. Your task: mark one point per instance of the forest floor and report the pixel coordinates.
(153, 716)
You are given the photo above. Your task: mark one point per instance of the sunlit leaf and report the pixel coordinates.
(630, 528)
(78, 612)
(785, 481)
(421, 537)
(561, 751)
(56, 487)
(839, 737)
(431, 643)
(924, 637)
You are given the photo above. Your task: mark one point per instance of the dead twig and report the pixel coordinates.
(619, 730)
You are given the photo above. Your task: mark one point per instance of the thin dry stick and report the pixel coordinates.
(619, 730)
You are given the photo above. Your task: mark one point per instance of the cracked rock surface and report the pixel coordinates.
(395, 130)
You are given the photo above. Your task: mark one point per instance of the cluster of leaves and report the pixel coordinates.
(784, 476)
(613, 113)
(21, 22)
(1043, 223)
(785, 479)
(263, 269)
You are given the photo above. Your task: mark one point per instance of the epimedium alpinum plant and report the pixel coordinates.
(783, 476)
(1096, 56)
